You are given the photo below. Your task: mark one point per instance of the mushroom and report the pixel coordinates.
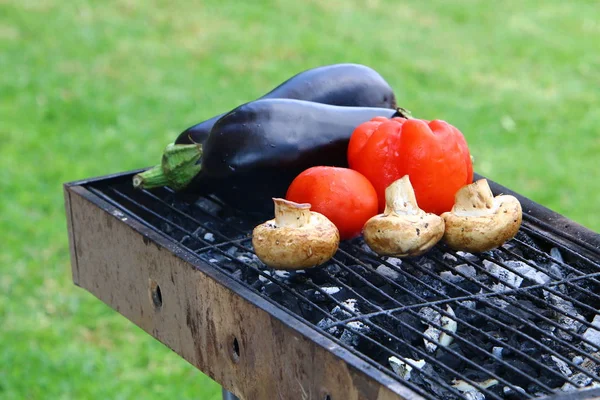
(479, 221)
(296, 238)
(403, 229)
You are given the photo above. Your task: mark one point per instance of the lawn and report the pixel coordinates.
(89, 88)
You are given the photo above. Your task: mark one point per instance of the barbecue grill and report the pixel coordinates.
(518, 322)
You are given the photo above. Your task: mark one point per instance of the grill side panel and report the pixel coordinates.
(248, 350)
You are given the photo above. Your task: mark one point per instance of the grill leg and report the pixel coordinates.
(228, 396)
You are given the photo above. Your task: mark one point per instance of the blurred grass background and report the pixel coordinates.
(91, 88)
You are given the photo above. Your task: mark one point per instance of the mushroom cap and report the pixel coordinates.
(477, 233)
(403, 235)
(293, 247)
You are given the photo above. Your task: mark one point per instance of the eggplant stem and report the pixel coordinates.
(150, 178)
(178, 167)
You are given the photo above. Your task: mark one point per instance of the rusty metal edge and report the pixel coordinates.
(571, 234)
(379, 375)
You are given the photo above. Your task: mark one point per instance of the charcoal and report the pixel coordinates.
(404, 368)
(568, 323)
(580, 379)
(531, 274)
(249, 275)
(522, 378)
(593, 335)
(451, 359)
(536, 256)
(556, 364)
(387, 272)
(332, 269)
(350, 337)
(513, 394)
(577, 360)
(326, 325)
(449, 258)
(428, 378)
(506, 279)
(497, 351)
(272, 290)
(464, 256)
(209, 237)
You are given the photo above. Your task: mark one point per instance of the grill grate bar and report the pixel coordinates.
(477, 296)
(329, 315)
(490, 337)
(300, 296)
(452, 334)
(443, 312)
(546, 238)
(526, 293)
(417, 350)
(193, 240)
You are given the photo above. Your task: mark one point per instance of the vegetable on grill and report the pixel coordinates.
(403, 229)
(255, 151)
(479, 221)
(343, 195)
(352, 85)
(434, 154)
(296, 238)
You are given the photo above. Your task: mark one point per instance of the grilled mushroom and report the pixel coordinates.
(403, 229)
(479, 221)
(296, 238)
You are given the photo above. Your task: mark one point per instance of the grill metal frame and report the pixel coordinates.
(537, 219)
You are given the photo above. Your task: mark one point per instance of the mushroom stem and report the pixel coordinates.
(296, 238)
(288, 213)
(474, 200)
(403, 229)
(400, 198)
(479, 221)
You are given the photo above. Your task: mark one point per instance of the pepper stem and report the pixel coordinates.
(178, 167)
(400, 198)
(288, 213)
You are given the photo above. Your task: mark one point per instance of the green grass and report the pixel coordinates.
(91, 88)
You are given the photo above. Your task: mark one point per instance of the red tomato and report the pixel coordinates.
(344, 196)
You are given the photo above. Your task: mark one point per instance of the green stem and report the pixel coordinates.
(178, 167)
(151, 178)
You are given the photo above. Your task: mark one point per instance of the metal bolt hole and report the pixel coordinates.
(235, 350)
(156, 294)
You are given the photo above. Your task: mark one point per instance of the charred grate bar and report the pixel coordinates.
(521, 321)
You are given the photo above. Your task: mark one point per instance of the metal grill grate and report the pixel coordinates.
(524, 313)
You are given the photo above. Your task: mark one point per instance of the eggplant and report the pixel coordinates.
(255, 151)
(352, 85)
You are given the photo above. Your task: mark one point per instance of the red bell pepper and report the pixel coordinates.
(433, 154)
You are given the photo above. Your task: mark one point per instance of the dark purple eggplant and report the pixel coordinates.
(255, 151)
(351, 85)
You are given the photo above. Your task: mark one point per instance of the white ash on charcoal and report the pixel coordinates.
(403, 369)
(507, 280)
(348, 309)
(467, 256)
(593, 335)
(387, 272)
(513, 394)
(462, 270)
(472, 392)
(436, 336)
(497, 351)
(350, 337)
(209, 237)
(564, 317)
